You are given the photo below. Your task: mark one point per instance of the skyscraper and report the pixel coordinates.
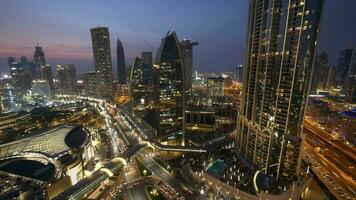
(350, 80)
(146, 57)
(121, 66)
(89, 84)
(67, 77)
(39, 59)
(46, 74)
(282, 36)
(138, 88)
(320, 73)
(21, 80)
(169, 65)
(102, 61)
(187, 54)
(346, 59)
(239, 73)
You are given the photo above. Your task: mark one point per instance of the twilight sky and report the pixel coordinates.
(62, 29)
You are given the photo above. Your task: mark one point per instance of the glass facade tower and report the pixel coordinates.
(187, 53)
(282, 35)
(121, 66)
(169, 65)
(102, 61)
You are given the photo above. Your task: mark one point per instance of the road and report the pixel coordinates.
(333, 163)
(138, 192)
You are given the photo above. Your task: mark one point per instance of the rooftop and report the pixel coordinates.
(51, 142)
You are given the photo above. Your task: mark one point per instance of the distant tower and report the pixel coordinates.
(138, 88)
(350, 80)
(187, 54)
(345, 62)
(320, 73)
(21, 80)
(239, 73)
(39, 59)
(121, 66)
(282, 36)
(89, 83)
(171, 85)
(67, 77)
(102, 61)
(46, 74)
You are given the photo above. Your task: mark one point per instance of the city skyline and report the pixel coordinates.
(221, 45)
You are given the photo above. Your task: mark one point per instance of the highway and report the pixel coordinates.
(332, 161)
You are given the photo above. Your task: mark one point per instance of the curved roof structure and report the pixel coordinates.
(50, 144)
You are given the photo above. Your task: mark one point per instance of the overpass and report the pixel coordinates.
(189, 149)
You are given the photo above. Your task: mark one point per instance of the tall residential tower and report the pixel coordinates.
(121, 66)
(102, 61)
(187, 53)
(282, 35)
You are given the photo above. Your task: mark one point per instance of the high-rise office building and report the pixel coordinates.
(330, 82)
(102, 61)
(46, 74)
(146, 57)
(149, 74)
(169, 66)
(138, 88)
(121, 65)
(29, 67)
(282, 36)
(89, 84)
(320, 73)
(67, 77)
(39, 59)
(346, 59)
(21, 80)
(187, 54)
(239, 73)
(350, 81)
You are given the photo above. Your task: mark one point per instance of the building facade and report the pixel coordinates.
(146, 57)
(138, 88)
(320, 73)
(21, 80)
(89, 82)
(350, 81)
(39, 59)
(215, 86)
(169, 65)
(67, 78)
(46, 74)
(187, 53)
(239, 73)
(103, 63)
(121, 65)
(282, 36)
(346, 59)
